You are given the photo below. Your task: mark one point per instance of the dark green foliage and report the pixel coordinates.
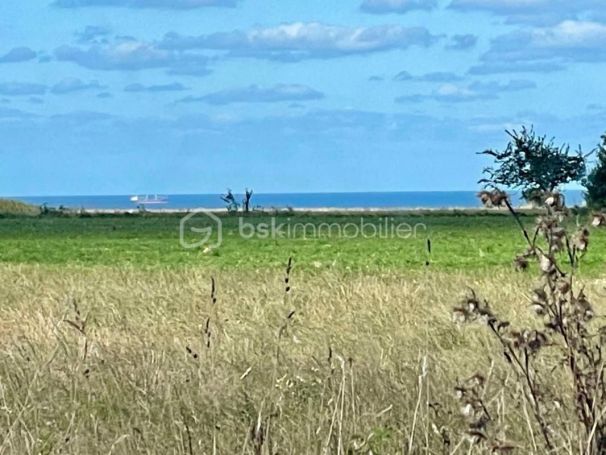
(533, 164)
(596, 181)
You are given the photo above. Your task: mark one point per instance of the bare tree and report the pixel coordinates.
(230, 201)
(246, 201)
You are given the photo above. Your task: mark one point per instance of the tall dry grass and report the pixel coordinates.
(125, 361)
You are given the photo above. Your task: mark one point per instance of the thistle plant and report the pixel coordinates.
(568, 336)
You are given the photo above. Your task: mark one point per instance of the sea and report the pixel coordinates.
(365, 200)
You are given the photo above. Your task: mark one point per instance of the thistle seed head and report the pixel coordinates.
(546, 264)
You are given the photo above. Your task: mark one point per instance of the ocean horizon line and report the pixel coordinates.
(286, 193)
(343, 200)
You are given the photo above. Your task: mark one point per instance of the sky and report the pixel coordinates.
(195, 96)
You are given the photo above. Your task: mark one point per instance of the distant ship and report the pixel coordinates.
(147, 199)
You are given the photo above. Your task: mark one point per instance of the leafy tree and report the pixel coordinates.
(533, 164)
(596, 181)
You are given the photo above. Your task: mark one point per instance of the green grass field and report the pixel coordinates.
(463, 242)
(358, 356)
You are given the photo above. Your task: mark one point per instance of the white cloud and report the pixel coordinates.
(70, 85)
(568, 41)
(496, 67)
(92, 33)
(462, 42)
(172, 87)
(298, 41)
(256, 94)
(571, 34)
(532, 11)
(127, 55)
(500, 5)
(133, 55)
(438, 76)
(455, 93)
(18, 54)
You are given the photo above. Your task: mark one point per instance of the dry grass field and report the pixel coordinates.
(125, 360)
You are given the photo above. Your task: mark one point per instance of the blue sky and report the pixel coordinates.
(193, 96)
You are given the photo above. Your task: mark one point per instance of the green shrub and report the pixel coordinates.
(596, 181)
